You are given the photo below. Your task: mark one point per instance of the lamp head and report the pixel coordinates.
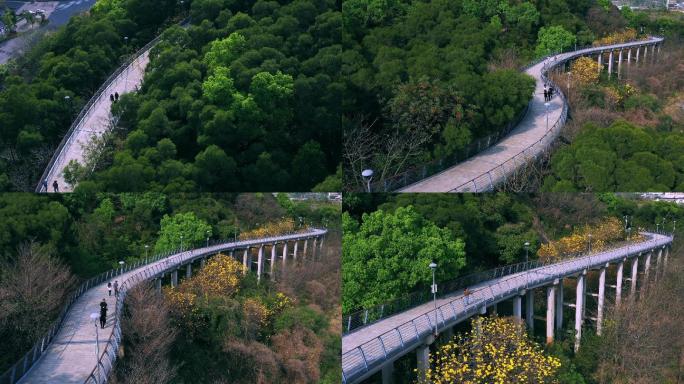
(433, 265)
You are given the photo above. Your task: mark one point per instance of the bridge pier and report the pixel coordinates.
(618, 282)
(174, 278)
(492, 310)
(245, 266)
(203, 260)
(260, 262)
(601, 299)
(529, 309)
(158, 283)
(294, 253)
(667, 253)
(271, 265)
(633, 280)
(559, 305)
(645, 52)
(629, 56)
(647, 266)
(314, 254)
(517, 307)
(284, 255)
(550, 312)
(579, 308)
(620, 64)
(610, 64)
(658, 264)
(423, 357)
(388, 373)
(306, 244)
(600, 61)
(637, 54)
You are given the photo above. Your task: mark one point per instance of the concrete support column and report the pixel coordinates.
(388, 373)
(610, 64)
(423, 358)
(294, 254)
(618, 283)
(158, 283)
(658, 45)
(492, 310)
(204, 260)
(601, 299)
(559, 305)
(637, 55)
(645, 52)
(273, 260)
(658, 266)
(600, 62)
(620, 64)
(647, 267)
(306, 244)
(579, 308)
(517, 307)
(245, 266)
(188, 270)
(667, 253)
(629, 56)
(320, 246)
(284, 254)
(314, 255)
(635, 273)
(174, 278)
(260, 262)
(550, 312)
(529, 309)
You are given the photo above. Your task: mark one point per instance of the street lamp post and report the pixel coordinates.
(527, 249)
(367, 175)
(121, 264)
(657, 227)
(433, 267)
(629, 233)
(147, 247)
(94, 316)
(181, 247)
(590, 243)
(207, 238)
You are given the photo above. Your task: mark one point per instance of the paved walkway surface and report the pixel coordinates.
(70, 358)
(399, 334)
(96, 122)
(531, 129)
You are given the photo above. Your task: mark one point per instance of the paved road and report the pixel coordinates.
(532, 128)
(96, 122)
(71, 357)
(399, 334)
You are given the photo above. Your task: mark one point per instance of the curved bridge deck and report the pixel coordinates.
(528, 140)
(366, 350)
(70, 358)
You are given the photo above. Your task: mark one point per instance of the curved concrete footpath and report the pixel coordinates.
(367, 349)
(70, 358)
(96, 122)
(528, 140)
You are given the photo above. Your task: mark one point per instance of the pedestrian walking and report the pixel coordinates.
(116, 96)
(466, 295)
(45, 185)
(109, 288)
(103, 313)
(116, 288)
(111, 97)
(546, 95)
(55, 186)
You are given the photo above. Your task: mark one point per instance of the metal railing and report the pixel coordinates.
(500, 173)
(88, 108)
(19, 369)
(364, 359)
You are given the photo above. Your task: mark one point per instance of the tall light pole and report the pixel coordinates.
(121, 264)
(433, 267)
(367, 175)
(657, 227)
(527, 249)
(207, 238)
(94, 316)
(590, 243)
(629, 233)
(181, 248)
(147, 247)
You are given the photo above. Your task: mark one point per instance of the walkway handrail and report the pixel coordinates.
(106, 361)
(367, 316)
(87, 108)
(486, 181)
(359, 360)
(16, 371)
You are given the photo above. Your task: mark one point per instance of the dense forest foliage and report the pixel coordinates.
(246, 98)
(72, 237)
(425, 79)
(398, 235)
(41, 92)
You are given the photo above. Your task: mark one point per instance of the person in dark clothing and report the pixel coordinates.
(550, 92)
(116, 288)
(116, 96)
(45, 185)
(111, 97)
(55, 186)
(103, 313)
(109, 288)
(546, 95)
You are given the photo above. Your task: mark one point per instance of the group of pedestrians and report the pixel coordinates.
(114, 97)
(548, 92)
(55, 185)
(103, 303)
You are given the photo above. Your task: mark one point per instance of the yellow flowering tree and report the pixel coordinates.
(496, 351)
(629, 34)
(585, 71)
(272, 228)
